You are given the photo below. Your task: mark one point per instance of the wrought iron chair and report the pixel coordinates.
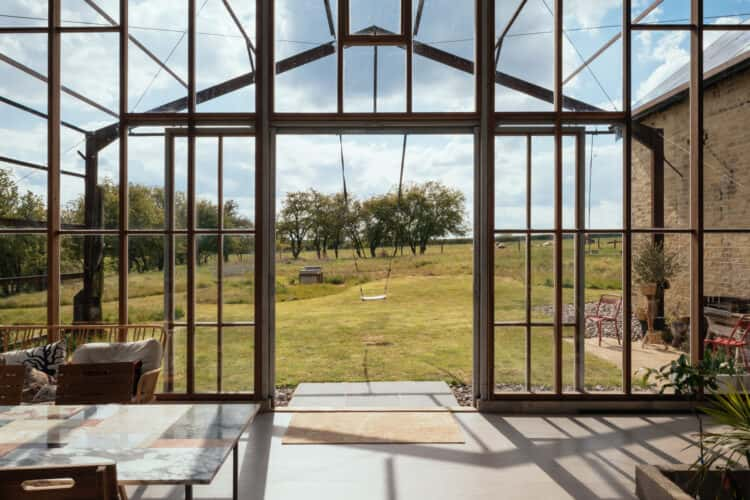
(601, 316)
(735, 342)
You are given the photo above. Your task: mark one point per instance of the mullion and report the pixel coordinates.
(527, 273)
(220, 267)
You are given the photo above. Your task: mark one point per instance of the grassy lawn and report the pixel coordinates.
(325, 333)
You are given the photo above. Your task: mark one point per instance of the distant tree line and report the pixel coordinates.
(25, 255)
(321, 222)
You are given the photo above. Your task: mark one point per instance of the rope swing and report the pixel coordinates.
(396, 230)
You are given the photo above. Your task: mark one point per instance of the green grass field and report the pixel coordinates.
(423, 331)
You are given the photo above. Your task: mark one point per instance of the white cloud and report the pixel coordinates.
(662, 54)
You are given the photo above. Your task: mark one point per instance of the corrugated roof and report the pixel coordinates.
(729, 49)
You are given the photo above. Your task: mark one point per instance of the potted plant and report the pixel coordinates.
(653, 267)
(723, 469)
(699, 478)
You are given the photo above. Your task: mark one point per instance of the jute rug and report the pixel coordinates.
(372, 428)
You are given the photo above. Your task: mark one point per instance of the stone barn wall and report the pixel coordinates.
(726, 189)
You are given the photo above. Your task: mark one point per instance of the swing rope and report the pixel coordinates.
(396, 232)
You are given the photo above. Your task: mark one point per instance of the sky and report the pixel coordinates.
(90, 63)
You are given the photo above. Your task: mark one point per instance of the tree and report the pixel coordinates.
(429, 211)
(319, 221)
(337, 222)
(22, 255)
(294, 220)
(380, 221)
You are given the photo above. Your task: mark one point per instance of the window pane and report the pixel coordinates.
(174, 369)
(510, 182)
(239, 182)
(374, 16)
(363, 93)
(603, 297)
(510, 278)
(725, 11)
(224, 41)
(600, 158)
(89, 67)
(510, 359)
(89, 277)
(207, 183)
(146, 195)
(570, 159)
(668, 12)
(529, 38)
(542, 182)
(206, 278)
(146, 271)
(180, 278)
(23, 148)
(542, 277)
(180, 182)
(238, 278)
(23, 284)
(542, 359)
(80, 13)
(20, 13)
(589, 76)
(726, 143)
(206, 360)
(661, 134)
(671, 301)
(310, 87)
(448, 26)
(238, 359)
(163, 32)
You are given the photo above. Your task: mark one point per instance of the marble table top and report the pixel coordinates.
(151, 444)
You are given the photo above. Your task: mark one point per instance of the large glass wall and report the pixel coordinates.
(128, 168)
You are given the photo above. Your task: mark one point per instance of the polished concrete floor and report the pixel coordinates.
(503, 458)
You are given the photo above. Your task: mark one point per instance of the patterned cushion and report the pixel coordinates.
(45, 358)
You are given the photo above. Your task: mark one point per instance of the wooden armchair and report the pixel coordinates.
(70, 482)
(98, 383)
(11, 384)
(17, 337)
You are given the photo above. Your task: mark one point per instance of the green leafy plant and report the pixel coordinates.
(728, 450)
(731, 447)
(691, 380)
(652, 263)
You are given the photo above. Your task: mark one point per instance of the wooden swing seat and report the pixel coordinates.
(370, 298)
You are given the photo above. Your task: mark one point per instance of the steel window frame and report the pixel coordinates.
(482, 122)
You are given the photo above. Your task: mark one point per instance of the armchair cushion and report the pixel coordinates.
(44, 358)
(148, 352)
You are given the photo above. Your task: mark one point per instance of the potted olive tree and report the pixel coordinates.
(653, 267)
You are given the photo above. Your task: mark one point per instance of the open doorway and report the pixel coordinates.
(374, 266)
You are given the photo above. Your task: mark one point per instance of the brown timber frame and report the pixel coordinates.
(181, 117)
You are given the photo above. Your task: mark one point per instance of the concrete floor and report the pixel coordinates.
(412, 395)
(503, 458)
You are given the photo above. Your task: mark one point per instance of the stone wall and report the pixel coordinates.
(726, 189)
